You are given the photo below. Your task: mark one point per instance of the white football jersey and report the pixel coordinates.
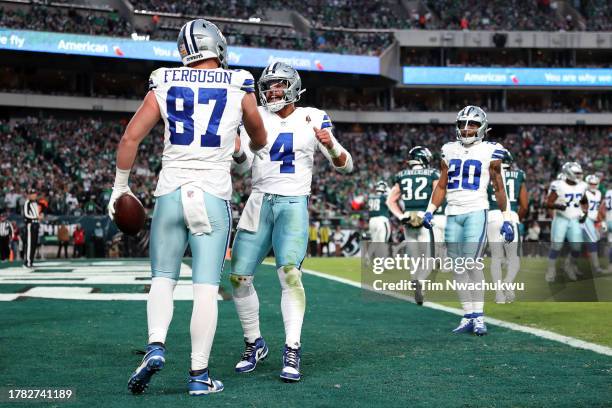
(287, 166)
(570, 195)
(468, 174)
(594, 201)
(608, 201)
(201, 109)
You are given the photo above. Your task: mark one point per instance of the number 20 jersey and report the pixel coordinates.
(201, 110)
(287, 167)
(468, 175)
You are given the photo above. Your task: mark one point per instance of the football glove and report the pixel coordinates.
(583, 217)
(428, 220)
(560, 206)
(405, 219)
(507, 231)
(604, 227)
(117, 192)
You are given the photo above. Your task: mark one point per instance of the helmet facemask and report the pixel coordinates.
(273, 94)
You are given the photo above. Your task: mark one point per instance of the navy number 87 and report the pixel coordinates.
(184, 116)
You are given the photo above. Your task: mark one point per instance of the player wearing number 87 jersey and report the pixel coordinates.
(467, 167)
(202, 105)
(276, 214)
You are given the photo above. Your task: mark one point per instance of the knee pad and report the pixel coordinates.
(290, 277)
(242, 285)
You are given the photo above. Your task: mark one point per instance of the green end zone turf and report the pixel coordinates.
(356, 352)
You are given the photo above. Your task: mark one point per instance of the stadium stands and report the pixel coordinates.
(76, 186)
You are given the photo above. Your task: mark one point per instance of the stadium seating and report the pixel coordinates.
(73, 186)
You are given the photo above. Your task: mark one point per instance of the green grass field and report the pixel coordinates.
(356, 352)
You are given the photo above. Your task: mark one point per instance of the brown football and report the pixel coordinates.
(129, 214)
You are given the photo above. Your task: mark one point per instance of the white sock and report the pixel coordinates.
(293, 304)
(465, 297)
(594, 260)
(203, 323)
(476, 275)
(160, 307)
(247, 306)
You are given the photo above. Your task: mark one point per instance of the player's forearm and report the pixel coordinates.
(340, 158)
(437, 198)
(395, 208)
(522, 212)
(126, 153)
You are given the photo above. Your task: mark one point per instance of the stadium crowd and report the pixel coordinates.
(68, 161)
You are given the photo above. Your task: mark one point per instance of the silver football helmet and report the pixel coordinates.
(273, 74)
(199, 40)
(471, 115)
(593, 181)
(572, 171)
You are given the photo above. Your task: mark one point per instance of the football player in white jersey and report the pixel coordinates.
(567, 197)
(606, 225)
(202, 105)
(594, 216)
(276, 214)
(467, 167)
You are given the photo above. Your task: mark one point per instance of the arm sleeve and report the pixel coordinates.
(348, 166)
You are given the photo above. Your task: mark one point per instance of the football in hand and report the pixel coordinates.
(130, 215)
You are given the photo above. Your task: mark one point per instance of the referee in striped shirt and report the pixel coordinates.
(31, 217)
(6, 234)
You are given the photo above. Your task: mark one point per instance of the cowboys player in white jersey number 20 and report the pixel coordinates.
(467, 166)
(202, 105)
(276, 214)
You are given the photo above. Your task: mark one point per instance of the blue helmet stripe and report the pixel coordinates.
(193, 40)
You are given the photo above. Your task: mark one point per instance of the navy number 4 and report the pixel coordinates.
(184, 116)
(282, 150)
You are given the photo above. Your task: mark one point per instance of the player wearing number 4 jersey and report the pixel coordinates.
(467, 167)
(201, 105)
(276, 214)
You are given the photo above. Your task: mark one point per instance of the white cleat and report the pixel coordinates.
(500, 298)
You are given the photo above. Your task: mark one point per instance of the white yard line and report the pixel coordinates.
(549, 335)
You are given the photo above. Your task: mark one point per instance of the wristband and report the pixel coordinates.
(121, 177)
(335, 151)
(431, 208)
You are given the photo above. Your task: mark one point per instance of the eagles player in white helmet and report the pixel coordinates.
(276, 214)
(380, 228)
(567, 197)
(594, 215)
(413, 188)
(467, 167)
(202, 105)
(516, 191)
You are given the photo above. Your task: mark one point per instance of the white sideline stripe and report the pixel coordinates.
(549, 335)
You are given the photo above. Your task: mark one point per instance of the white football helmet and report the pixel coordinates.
(572, 171)
(471, 115)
